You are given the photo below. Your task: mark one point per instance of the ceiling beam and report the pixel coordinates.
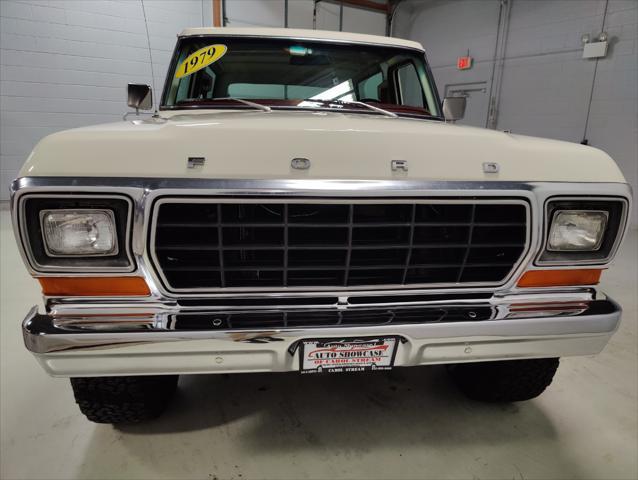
(217, 13)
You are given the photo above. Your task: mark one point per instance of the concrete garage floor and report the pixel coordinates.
(411, 423)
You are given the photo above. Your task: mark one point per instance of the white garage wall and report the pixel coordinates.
(299, 13)
(252, 13)
(271, 13)
(66, 63)
(546, 84)
(363, 21)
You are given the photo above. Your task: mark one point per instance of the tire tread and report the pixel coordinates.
(504, 381)
(123, 399)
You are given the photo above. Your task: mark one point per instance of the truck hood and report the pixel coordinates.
(255, 144)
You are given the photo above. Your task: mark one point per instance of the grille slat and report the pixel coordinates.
(332, 247)
(286, 257)
(220, 235)
(324, 225)
(215, 245)
(467, 249)
(408, 256)
(349, 250)
(249, 268)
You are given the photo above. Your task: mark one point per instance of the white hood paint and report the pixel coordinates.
(254, 145)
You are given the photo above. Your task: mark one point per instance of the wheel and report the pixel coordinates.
(123, 399)
(504, 381)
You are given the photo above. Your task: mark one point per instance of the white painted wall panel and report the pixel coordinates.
(252, 13)
(327, 16)
(66, 63)
(448, 29)
(363, 21)
(300, 13)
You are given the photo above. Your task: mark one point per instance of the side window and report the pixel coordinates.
(369, 88)
(409, 85)
(182, 90)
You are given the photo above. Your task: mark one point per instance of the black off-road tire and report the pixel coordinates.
(123, 399)
(504, 381)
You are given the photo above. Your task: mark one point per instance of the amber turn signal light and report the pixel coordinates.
(94, 286)
(559, 278)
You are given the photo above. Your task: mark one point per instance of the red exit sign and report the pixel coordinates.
(463, 63)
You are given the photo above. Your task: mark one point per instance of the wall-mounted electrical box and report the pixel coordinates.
(595, 49)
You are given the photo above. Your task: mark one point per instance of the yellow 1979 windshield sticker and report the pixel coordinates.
(200, 59)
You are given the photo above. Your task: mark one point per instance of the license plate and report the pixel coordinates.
(340, 355)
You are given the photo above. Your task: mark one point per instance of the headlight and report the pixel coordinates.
(79, 232)
(583, 231)
(577, 230)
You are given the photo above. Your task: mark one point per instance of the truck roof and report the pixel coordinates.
(293, 33)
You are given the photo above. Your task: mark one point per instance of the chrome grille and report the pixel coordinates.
(211, 244)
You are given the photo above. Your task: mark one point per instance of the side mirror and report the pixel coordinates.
(140, 96)
(454, 108)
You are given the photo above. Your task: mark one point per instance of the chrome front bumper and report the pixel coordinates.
(138, 344)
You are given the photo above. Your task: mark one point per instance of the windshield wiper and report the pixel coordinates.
(258, 106)
(382, 111)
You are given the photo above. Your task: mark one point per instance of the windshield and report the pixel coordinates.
(282, 73)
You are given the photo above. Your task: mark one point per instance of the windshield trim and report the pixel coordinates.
(304, 39)
(363, 111)
(180, 38)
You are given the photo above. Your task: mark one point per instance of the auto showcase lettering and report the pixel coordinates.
(347, 355)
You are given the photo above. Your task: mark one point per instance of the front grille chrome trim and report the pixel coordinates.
(286, 200)
(145, 190)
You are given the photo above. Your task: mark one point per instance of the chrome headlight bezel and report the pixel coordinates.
(615, 210)
(43, 260)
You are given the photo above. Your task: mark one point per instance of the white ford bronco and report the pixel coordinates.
(303, 201)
